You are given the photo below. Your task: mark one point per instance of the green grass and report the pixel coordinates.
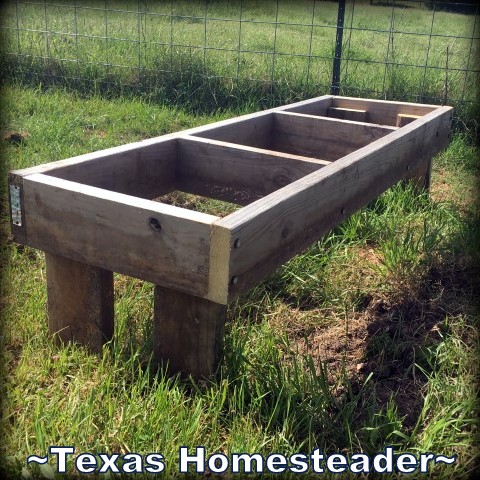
(367, 339)
(198, 54)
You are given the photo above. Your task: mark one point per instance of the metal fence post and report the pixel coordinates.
(338, 48)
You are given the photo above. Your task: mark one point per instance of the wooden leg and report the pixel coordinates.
(80, 302)
(420, 177)
(188, 332)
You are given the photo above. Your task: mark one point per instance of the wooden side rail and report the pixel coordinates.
(237, 173)
(329, 138)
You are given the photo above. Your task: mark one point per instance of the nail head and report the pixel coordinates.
(154, 224)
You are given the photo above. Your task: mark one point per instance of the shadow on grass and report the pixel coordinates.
(381, 355)
(388, 4)
(184, 80)
(180, 80)
(400, 334)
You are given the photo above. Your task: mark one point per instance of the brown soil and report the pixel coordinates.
(15, 137)
(386, 338)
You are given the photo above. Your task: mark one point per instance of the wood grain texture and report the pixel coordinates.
(225, 128)
(322, 137)
(87, 216)
(313, 106)
(152, 149)
(236, 173)
(113, 231)
(420, 176)
(347, 114)
(144, 169)
(188, 332)
(145, 172)
(383, 112)
(404, 119)
(254, 131)
(80, 302)
(277, 227)
(221, 245)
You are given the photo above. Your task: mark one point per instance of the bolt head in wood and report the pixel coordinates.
(154, 224)
(234, 280)
(237, 243)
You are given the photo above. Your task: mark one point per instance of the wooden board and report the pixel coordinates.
(114, 231)
(347, 114)
(383, 112)
(87, 215)
(327, 138)
(277, 227)
(245, 124)
(111, 230)
(236, 173)
(254, 131)
(404, 119)
(143, 169)
(188, 332)
(251, 129)
(80, 302)
(313, 106)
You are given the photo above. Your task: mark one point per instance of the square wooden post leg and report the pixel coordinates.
(80, 302)
(188, 332)
(420, 177)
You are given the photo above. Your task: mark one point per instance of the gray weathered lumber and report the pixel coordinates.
(144, 169)
(298, 170)
(80, 302)
(381, 111)
(118, 232)
(322, 137)
(404, 119)
(254, 131)
(188, 332)
(236, 173)
(348, 114)
(277, 227)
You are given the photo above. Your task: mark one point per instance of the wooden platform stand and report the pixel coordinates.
(297, 171)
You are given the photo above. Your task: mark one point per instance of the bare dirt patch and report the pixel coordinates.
(388, 337)
(198, 203)
(15, 137)
(93, 132)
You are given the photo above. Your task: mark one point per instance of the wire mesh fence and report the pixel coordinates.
(210, 54)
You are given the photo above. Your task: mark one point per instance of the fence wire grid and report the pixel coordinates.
(231, 54)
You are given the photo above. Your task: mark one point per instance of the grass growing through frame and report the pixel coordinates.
(368, 338)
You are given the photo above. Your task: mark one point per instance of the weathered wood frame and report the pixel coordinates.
(299, 170)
